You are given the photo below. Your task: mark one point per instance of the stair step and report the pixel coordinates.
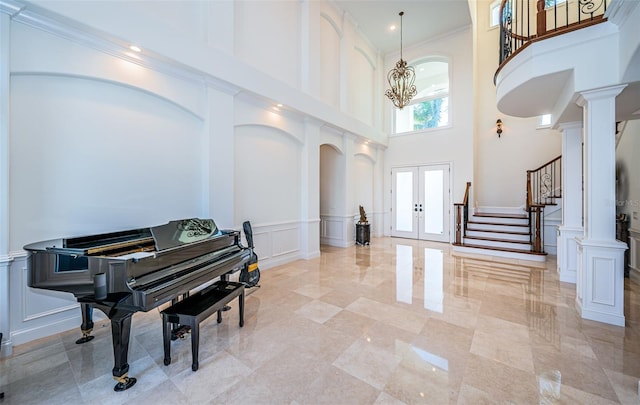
(524, 242)
(498, 215)
(521, 251)
(497, 231)
(511, 236)
(506, 229)
(497, 223)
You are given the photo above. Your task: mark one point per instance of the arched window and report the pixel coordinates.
(430, 107)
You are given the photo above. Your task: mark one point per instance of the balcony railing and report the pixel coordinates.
(525, 21)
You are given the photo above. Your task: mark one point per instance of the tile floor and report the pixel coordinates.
(399, 321)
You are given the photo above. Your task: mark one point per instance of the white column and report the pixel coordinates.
(600, 272)
(219, 184)
(571, 226)
(349, 183)
(310, 198)
(378, 195)
(5, 257)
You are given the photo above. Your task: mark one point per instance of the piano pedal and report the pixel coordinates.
(124, 383)
(226, 308)
(180, 332)
(86, 337)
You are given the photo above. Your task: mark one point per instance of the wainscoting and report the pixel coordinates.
(34, 313)
(337, 230)
(634, 253)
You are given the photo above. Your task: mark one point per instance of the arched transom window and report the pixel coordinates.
(430, 107)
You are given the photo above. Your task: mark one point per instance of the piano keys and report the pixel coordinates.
(123, 272)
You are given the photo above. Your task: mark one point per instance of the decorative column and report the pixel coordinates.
(600, 271)
(5, 256)
(378, 194)
(310, 188)
(219, 183)
(350, 206)
(571, 226)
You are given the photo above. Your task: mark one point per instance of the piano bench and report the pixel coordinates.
(196, 308)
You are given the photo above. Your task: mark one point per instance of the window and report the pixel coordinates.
(494, 14)
(552, 3)
(544, 121)
(430, 107)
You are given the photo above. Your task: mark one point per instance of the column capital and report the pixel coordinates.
(570, 125)
(599, 94)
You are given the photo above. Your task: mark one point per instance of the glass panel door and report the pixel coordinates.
(420, 202)
(404, 203)
(434, 203)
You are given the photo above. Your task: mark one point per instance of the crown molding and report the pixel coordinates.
(10, 7)
(74, 31)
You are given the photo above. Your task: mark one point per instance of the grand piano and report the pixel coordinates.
(123, 272)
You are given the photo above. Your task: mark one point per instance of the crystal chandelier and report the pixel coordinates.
(401, 79)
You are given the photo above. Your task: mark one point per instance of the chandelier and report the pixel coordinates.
(401, 79)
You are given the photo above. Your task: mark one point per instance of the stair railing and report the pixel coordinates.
(462, 216)
(525, 21)
(544, 186)
(546, 182)
(536, 219)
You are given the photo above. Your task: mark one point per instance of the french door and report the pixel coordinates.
(420, 202)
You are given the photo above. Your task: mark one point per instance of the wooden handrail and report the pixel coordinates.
(548, 163)
(465, 200)
(461, 212)
(529, 191)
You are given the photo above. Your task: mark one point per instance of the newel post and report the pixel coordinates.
(541, 19)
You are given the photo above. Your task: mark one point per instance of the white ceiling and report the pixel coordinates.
(423, 19)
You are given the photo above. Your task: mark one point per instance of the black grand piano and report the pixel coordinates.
(121, 273)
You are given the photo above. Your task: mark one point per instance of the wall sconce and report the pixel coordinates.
(499, 127)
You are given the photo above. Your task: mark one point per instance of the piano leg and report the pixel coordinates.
(87, 323)
(120, 330)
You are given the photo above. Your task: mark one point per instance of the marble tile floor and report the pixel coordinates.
(400, 321)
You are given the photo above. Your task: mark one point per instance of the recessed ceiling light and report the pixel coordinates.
(279, 105)
(135, 48)
(392, 27)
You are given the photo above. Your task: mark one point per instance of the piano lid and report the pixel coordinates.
(184, 231)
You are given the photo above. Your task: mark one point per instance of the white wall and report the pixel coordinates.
(105, 139)
(453, 144)
(278, 53)
(628, 174)
(501, 163)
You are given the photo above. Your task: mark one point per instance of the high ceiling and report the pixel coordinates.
(423, 19)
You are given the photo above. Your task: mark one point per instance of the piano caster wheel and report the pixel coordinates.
(194, 366)
(86, 336)
(167, 361)
(124, 383)
(84, 339)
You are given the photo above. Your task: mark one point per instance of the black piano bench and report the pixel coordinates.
(196, 308)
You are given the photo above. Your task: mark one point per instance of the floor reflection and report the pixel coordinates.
(429, 266)
(399, 321)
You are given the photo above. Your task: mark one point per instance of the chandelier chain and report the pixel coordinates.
(401, 79)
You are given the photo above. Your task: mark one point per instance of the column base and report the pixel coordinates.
(568, 252)
(600, 280)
